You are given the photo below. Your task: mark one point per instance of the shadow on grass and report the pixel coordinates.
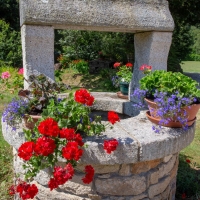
(100, 82)
(188, 179)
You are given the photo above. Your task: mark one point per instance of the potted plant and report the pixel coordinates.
(123, 76)
(59, 135)
(32, 101)
(172, 98)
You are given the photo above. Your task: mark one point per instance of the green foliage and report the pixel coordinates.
(170, 83)
(193, 57)
(89, 45)
(125, 73)
(76, 115)
(188, 179)
(80, 65)
(10, 45)
(9, 12)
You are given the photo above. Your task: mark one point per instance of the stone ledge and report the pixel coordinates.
(137, 141)
(116, 16)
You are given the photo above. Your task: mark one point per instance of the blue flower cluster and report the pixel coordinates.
(14, 112)
(170, 107)
(115, 81)
(139, 95)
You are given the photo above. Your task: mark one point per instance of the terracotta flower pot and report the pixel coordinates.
(191, 110)
(30, 124)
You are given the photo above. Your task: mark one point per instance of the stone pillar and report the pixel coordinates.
(38, 50)
(151, 48)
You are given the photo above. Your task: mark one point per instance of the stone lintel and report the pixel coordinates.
(99, 15)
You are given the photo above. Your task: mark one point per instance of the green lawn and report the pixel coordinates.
(191, 66)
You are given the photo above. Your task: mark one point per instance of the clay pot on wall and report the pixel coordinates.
(152, 115)
(31, 120)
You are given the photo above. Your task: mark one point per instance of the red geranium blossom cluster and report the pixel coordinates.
(84, 97)
(52, 140)
(145, 69)
(113, 117)
(118, 64)
(61, 176)
(110, 145)
(25, 190)
(89, 174)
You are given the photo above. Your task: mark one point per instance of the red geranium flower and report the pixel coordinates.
(26, 191)
(25, 151)
(79, 139)
(44, 146)
(188, 161)
(52, 183)
(49, 127)
(145, 67)
(71, 151)
(84, 97)
(113, 117)
(11, 190)
(110, 145)
(62, 175)
(183, 196)
(129, 64)
(68, 133)
(89, 174)
(117, 64)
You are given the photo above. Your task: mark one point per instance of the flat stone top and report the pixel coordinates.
(99, 15)
(137, 141)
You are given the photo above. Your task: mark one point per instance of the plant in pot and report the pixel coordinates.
(59, 135)
(123, 76)
(31, 102)
(173, 98)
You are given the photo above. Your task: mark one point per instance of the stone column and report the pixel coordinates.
(151, 48)
(38, 50)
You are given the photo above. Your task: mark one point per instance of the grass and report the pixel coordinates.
(191, 66)
(6, 158)
(188, 174)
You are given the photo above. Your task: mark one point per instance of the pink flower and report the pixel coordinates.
(21, 71)
(5, 75)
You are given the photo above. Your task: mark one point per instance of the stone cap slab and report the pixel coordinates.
(99, 15)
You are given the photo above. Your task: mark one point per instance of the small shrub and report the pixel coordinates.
(188, 179)
(80, 65)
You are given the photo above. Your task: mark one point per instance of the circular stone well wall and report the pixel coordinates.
(143, 167)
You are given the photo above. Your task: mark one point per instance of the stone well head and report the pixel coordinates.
(149, 20)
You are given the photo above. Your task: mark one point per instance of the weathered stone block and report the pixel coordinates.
(121, 186)
(159, 187)
(166, 168)
(125, 170)
(144, 166)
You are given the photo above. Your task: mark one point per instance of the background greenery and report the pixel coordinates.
(89, 45)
